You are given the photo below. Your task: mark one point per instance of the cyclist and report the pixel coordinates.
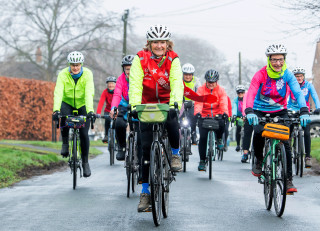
(307, 90)
(121, 100)
(106, 97)
(237, 112)
(226, 130)
(157, 61)
(203, 110)
(268, 95)
(74, 91)
(247, 133)
(193, 83)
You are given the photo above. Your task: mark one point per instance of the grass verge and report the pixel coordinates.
(315, 148)
(18, 163)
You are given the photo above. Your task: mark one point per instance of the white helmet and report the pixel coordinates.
(75, 57)
(158, 32)
(299, 70)
(188, 68)
(276, 49)
(240, 89)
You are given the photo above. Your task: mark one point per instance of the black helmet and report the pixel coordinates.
(127, 60)
(240, 89)
(211, 76)
(111, 79)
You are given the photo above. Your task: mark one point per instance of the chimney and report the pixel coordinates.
(38, 55)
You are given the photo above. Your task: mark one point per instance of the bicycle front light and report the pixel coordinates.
(185, 122)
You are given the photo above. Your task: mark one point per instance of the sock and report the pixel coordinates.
(145, 188)
(175, 151)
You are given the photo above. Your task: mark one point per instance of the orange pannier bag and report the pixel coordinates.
(276, 131)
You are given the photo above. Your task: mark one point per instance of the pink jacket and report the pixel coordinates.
(121, 91)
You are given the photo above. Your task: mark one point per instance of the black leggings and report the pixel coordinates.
(238, 133)
(66, 109)
(307, 139)
(172, 127)
(258, 141)
(226, 133)
(204, 137)
(247, 130)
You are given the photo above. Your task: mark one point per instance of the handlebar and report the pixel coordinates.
(277, 119)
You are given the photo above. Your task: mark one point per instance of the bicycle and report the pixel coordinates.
(274, 164)
(75, 122)
(131, 159)
(112, 138)
(185, 140)
(219, 151)
(297, 141)
(160, 171)
(212, 125)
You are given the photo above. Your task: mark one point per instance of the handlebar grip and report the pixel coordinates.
(92, 125)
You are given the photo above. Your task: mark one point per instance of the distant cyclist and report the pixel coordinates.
(74, 91)
(267, 94)
(207, 110)
(307, 90)
(226, 130)
(106, 97)
(193, 83)
(237, 107)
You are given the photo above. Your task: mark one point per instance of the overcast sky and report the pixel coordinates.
(248, 26)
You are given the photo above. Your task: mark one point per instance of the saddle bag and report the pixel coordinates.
(211, 124)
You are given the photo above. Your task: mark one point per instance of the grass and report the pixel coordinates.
(55, 145)
(315, 148)
(16, 162)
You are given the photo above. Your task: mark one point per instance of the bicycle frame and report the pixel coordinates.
(271, 152)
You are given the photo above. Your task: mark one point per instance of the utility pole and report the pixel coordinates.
(239, 67)
(125, 21)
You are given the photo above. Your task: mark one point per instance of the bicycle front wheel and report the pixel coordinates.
(166, 185)
(210, 151)
(296, 153)
(129, 165)
(301, 152)
(111, 145)
(74, 161)
(185, 139)
(267, 169)
(156, 182)
(280, 179)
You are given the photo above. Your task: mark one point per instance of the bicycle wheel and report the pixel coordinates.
(129, 165)
(296, 154)
(166, 185)
(74, 161)
(280, 183)
(267, 186)
(185, 139)
(156, 182)
(210, 151)
(135, 167)
(301, 152)
(111, 146)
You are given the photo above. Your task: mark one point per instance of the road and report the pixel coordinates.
(232, 200)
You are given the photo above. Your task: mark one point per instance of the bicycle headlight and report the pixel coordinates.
(185, 122)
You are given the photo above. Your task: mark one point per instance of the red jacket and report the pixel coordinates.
(211, 110)
(105, 97)
(229, 107)
(152, 91)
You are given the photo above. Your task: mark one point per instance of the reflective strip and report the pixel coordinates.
(141, 58)
(170, 58)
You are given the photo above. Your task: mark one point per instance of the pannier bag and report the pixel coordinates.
(276, 131)
(75, 122)
(152, 113)
(210, 123)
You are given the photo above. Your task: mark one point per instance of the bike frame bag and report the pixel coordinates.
(152, 113)
(210, 123)
(276, 131)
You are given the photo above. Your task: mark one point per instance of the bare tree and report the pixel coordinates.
(306, 13)
(56, 27)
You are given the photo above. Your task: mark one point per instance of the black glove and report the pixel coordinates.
(92, 116)
(198, 115)
(55, 115)
(225, 116)
(317, 111)
(134, 114)
(172, 113)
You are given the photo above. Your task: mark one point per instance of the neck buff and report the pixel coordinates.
(110, 91)
(77, 76)
(272, 73)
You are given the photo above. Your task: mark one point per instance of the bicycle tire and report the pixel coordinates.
(221, 155)
(296, 153)
(280, 183)
(166, 185)
(267, 186)
(210, 152)
(129, 165)
(135, 169)
(74, 160)
(111, 146)
(301, 151)
(184, 150)
(155, 183)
